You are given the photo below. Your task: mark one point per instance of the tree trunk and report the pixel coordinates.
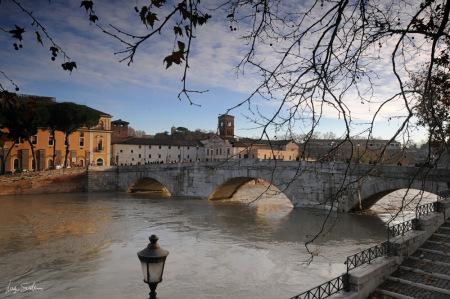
(67, 150)
(54, 149)
(33, 154)
(6, 158)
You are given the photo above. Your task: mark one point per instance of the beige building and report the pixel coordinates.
(141, 151)
(87, 146)
(285, 150)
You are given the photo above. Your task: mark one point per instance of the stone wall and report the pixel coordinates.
(51, 181)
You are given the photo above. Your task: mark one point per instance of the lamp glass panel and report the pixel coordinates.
(154, 270)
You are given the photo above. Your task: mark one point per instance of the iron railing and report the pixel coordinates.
(367, 255)
(401, 228)
(326, 289)
(427, 209)
(445, 194)
(340, 283)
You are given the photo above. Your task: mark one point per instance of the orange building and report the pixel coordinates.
(87, 146)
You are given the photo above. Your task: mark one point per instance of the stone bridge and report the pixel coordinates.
(304, 183)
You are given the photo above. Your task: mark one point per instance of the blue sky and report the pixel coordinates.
(145, 93)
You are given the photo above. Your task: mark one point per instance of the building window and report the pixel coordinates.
(160, 147)
(159, 156)
(220, 151)
(150, 156)
(33, 139)
(16, 164)
(100, 145)
(131, 151)
(132, 159)
(228, 151)
(51, 140)
(188, 147)
(81, 139)
(178, 147)
(139, 155)
(217, 151)
(121, 151)
(149, 146)
(170, 147)
(99, 162)
(139, 146)
(81, 162)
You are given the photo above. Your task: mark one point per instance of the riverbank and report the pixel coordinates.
(41, 182)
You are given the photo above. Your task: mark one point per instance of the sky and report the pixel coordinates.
(145, 93)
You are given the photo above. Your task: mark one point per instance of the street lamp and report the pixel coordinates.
(152, 260)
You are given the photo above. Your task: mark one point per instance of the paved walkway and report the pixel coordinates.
(425, 274)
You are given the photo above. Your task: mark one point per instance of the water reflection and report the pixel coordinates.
(84, 245)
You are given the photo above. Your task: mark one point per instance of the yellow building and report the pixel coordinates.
(87, 146)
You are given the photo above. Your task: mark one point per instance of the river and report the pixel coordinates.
(84, 246)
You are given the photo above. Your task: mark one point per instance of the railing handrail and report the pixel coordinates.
(427, 208)
(367, 255)
(325, 289)
(401, 228)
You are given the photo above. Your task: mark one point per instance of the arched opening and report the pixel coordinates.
(149, 186)
(99, 162)
(16, 164)
(389, 202)
(81, 162)
(247, 189)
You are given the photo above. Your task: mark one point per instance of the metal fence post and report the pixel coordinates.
(346, 281)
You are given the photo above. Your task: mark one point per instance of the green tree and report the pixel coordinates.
(35, 116)
(71, 117)
(12, 121)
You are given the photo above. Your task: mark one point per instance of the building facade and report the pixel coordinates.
(364, 150)
(286, 150)
(217, 149)
(141, 151)
(87, 146)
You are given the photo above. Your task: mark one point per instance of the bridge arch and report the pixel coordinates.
(150, 186)
(228, 188)
(370, 193)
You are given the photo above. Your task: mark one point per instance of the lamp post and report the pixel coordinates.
(152, 260)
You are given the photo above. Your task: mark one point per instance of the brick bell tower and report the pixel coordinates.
(226, 126)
